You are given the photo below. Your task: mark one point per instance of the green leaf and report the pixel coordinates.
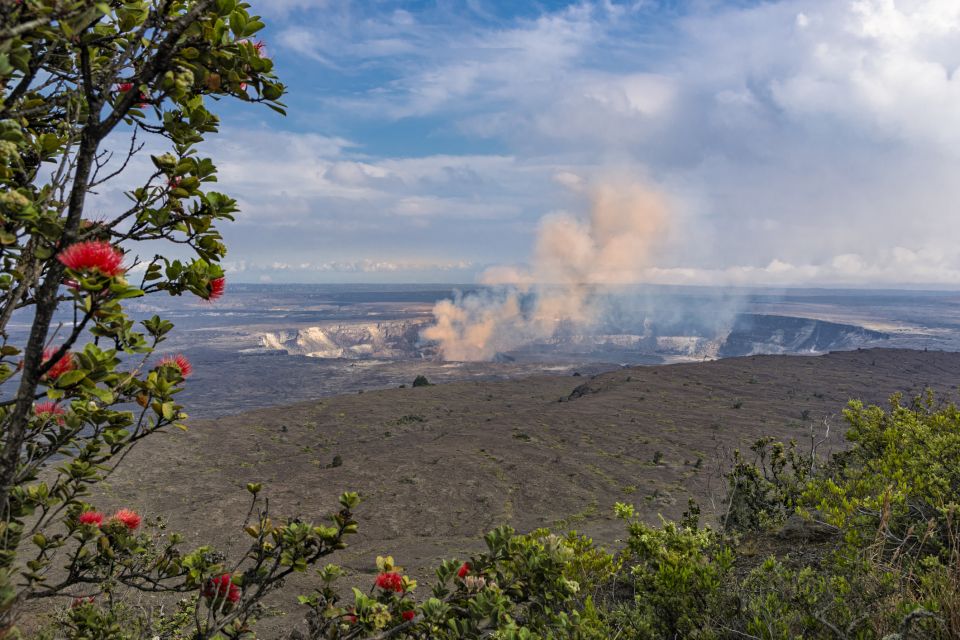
(129, 293)
(104, 395)
(238, 23)
(71, 378)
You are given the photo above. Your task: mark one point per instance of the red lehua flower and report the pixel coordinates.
(49, 410)
(123, 87)
(390, 581)
(259, 46)
(215, 288)
(222, 587)
(126, 517)
(180, 362)
(409, 615)
(93, 255)
(174, 182)
(60, 367)
(463, 570)
(243, 86)
(79, 602)
(91, 517)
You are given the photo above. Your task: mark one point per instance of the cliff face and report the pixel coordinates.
(749, 334)
(382, 340)
(754, 334)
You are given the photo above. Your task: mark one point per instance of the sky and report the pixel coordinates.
(794, 142)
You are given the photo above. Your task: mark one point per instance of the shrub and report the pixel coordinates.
(421, 381)
(677, 573)
(889, 566)
(522, 587)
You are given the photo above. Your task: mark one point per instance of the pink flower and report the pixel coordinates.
(60, 367)
(93, 255)
(94, 518)
(390, 581)
(126, 517)
(49, 411)
(222, 587)
(409, 615)
(215, 288)
(463, 570)
(180, 362)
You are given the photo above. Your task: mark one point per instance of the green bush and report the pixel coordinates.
(676, 572)
(865, 545)
(886, 509)
(522, 587)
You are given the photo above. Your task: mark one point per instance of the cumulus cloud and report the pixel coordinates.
(800, 141)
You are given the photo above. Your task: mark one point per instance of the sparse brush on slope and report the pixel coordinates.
(421, 381)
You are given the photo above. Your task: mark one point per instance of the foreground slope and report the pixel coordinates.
(439, 466)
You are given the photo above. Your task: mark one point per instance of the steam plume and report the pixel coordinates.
(573, 258)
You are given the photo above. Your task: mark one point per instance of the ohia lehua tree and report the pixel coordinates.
(86, 87)
(87, 90)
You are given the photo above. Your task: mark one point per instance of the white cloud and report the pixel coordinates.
(898, 267)
(799, 140)
(888, 69)
(287, 178)
(368, 265)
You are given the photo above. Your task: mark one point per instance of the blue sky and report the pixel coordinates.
(795, 142)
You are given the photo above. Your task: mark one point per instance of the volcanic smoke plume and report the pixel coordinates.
(573, 260)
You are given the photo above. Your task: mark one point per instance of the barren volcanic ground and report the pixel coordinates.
(438, 466)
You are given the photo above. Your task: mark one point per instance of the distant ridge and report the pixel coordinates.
(772, 334)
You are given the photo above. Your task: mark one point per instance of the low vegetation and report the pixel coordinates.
(421, 381)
